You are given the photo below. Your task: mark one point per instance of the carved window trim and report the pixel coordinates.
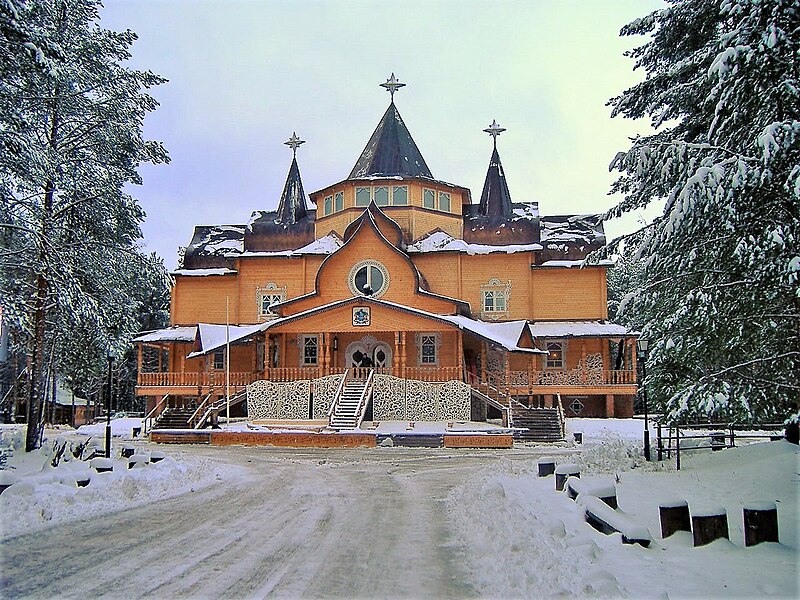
(351, 278)
(553, 364)
(431, 341)
(275, 293)
(496, 295)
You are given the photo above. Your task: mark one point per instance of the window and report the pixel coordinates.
(266, 297)
(368, 278)
(444, 201)
(309, 350)
(328, 205)
(428, 198)
(428, 346)
(382, 195)
(338, 201)
(399, 195)
(362, 196)
(495, 296)
(494, 301)
(555, 356)
(219, 359)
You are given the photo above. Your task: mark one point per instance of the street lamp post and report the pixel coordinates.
(108, 406)
(642, 344)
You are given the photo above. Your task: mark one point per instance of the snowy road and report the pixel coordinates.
(311, 523)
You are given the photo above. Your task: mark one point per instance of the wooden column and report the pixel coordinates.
(483, 360)
(632, 343)
(403, 353)
(460, 354)
(609, 405)
(160, 352)
(323, 353)
(396, 354)
(139, 358)
(282, 355)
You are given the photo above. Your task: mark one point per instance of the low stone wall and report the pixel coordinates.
(478, 441)
(188, 437)
(292, 440)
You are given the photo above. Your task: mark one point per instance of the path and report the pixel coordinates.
(310, 523)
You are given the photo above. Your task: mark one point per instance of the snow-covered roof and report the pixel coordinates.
(580, 229)
(170, 334)
(203, 272)
(505, 334)
(439, 241)
(217, 240)
(577, 263)
(327, 244)
(214, 336)
(564, 329)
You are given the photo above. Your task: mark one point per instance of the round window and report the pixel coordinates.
(368, 278)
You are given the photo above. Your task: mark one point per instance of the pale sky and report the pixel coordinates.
(244, 75)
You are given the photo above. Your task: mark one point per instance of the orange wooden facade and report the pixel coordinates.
(374, 224)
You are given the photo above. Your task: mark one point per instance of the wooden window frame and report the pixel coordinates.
(425, 191)
(562, 344)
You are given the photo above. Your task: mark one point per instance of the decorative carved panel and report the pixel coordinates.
(324, 392)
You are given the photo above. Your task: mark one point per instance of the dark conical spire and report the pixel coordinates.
(495, 198)
(391, 151)
(292, 207)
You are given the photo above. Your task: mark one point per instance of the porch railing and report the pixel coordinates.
(575, 377)
(214, 379)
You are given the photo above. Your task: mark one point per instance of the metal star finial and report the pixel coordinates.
(294, 143)
(494, 130)
(392, 85)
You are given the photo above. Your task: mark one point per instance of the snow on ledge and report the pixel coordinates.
(439, 241)
(203, 272)
(577, 263)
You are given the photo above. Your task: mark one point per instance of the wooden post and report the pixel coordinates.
(609, 405)
(483, 361)
(547, 466)
(396, 356)
(403, 353)
(709, 525)
(460, 354)
(760, 523)
(674, 516)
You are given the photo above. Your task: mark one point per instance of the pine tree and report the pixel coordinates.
(71, 117)
(721, 301)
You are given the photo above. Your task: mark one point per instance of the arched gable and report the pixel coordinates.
(367, 246)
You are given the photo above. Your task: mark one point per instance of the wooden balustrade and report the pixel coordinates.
(498, 381)
(214, 379)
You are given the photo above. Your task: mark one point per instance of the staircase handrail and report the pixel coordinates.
(562, 421)
(337, 396)
(362, 401)
(149, 416)
(492, 402)
(197, 411)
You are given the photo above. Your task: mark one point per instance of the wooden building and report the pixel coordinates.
(397, 287)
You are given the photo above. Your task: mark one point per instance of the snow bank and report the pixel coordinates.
(119, 428)
(521, 538)
(43, 496)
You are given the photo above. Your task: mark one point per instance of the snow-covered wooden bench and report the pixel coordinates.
(565, 471)
(607, 520)
(605, 490)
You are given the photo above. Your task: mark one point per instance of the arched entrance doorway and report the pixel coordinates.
(368, 353)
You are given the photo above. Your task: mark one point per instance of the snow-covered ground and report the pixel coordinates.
(388, 522)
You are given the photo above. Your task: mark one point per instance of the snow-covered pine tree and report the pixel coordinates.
(70, 131)
(721, 301)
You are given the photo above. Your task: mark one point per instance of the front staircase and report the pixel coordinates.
(350, 404)
(537, 424)
(174, 418)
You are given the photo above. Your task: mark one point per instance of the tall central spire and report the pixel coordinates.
(391, 150)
